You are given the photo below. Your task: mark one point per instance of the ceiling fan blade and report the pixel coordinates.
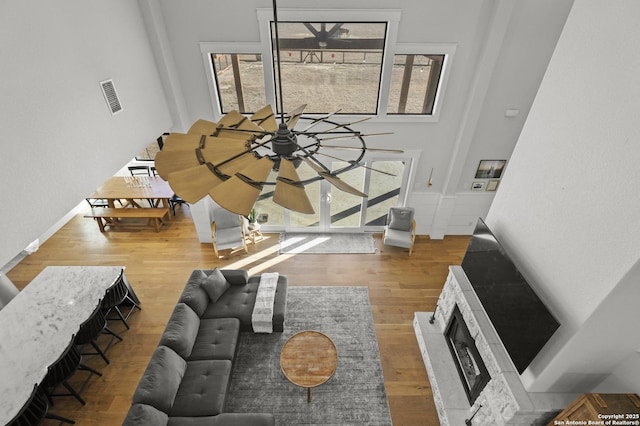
(209, 149)
(334, 180)
(315, 121)
(239, 193)
(294, 116)
(203, 127)
(342, 185)
(181, 141)
(351, 135)
(289, 192)
(359, 164)
(236, 125)
(231, 167)
(193, 183)
(265, 118)
(315, 165)
(396, 151)
(167, 162)
(341, 126)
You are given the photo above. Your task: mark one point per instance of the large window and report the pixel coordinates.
(331, 66)
(239, 80)
(335, 61)
(414, 83)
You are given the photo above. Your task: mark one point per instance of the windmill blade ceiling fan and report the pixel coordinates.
(232, 159)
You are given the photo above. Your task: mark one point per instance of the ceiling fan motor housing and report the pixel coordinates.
(284, 143)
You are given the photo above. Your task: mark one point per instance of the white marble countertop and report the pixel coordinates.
(40, 322)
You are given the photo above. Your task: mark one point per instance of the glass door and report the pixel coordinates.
(383, 180)
(385, 190)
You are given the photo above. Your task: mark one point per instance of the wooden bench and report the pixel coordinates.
(109, 216)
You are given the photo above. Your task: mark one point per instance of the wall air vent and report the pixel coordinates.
(111, 96)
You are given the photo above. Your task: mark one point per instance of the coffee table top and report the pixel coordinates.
(309, 358)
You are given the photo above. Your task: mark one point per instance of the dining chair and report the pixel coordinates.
(61, 371)
(400, 229)
(139, 170)
(35, 410)
(91, 329)
(174, 201)
(227, 231)
(116, 297)
(99, 202)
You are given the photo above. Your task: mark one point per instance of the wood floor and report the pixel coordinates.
(158, 265)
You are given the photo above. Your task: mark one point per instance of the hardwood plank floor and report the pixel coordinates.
(158, 265)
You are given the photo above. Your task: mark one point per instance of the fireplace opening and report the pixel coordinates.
(473, 373)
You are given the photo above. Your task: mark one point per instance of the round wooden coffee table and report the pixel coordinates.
(308, 359)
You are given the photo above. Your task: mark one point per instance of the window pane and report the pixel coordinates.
(345, 207)
(240, 81)
(414, 84)
(331, 66)
(384, 191)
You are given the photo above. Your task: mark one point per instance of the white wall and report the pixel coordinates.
(59, 140)
(567, 208)
(509, 42)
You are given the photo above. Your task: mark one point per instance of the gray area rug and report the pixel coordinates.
(355, 395)
(299, 243)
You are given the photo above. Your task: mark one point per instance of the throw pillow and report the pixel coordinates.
(400, 219)
(194, 295)
(215, 285)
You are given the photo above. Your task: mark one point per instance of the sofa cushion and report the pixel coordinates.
(238, 302)
(181, 331)
(226, 419)
(203, 389)
(193, 294)
(395, 237)
(145, 415)
(400, 218)
(217, 339)
(161, 380)
(215, 285)
(236, 276)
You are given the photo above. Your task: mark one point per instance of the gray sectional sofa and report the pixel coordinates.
(187, 379)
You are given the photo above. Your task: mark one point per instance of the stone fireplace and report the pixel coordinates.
(473, 373)
(502, 399)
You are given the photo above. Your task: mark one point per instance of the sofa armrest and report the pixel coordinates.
(143, 414)
(236, 276)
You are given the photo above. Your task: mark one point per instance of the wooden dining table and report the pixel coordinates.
(146, 197)
(133, 188)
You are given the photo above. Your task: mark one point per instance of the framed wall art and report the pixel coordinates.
(477, 186)
(492, 185)
(490, 169)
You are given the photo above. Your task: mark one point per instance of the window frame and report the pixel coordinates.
(448, 50)
(370, 103)
(392, 48)
(209, 48)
